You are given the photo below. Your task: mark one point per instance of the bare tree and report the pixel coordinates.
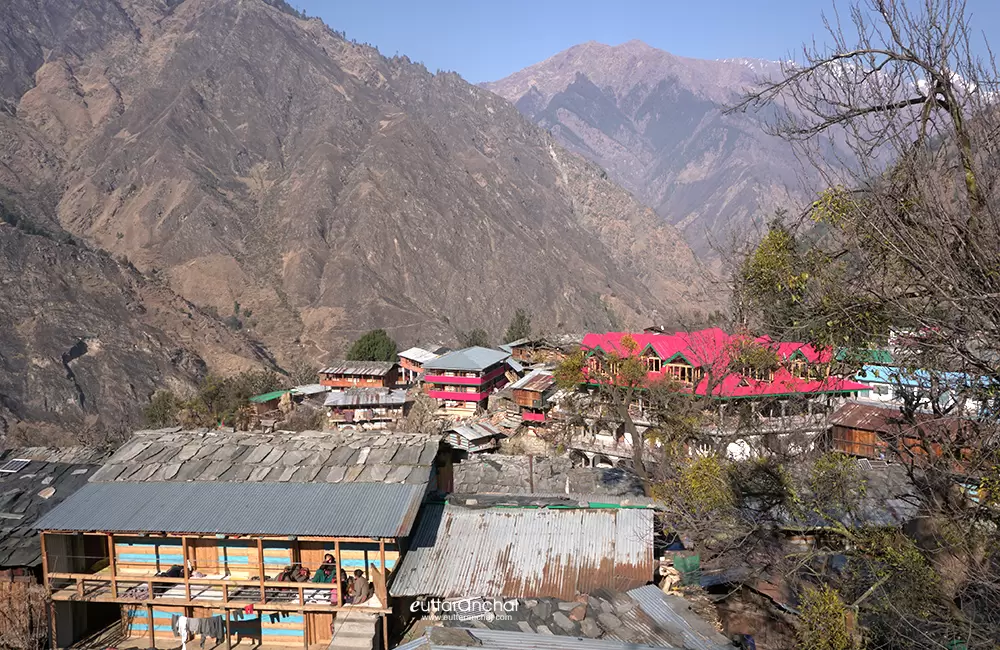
(898, 113)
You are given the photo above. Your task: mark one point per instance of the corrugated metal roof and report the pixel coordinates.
(472, 431)
(310, 389)
(503, 640)
(866, 417)
(523, 553)
(267, 397)
(349, 510)
(672, 613)
(418, 355)
(366, 397)
(538, 381)
(362, 368)
(474, 358)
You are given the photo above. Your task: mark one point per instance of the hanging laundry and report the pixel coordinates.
(182, 630)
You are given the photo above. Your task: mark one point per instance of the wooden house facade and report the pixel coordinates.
(360, 374)
(876, 432)
(531, 394)
(214, 538)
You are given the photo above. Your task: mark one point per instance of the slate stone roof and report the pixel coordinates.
(64, 470)
(644, 616)
(502, 474)
(282, 456)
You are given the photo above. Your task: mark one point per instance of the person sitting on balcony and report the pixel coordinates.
(294, 573)
(362, 588)
(326, 571)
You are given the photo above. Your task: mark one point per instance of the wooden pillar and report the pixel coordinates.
(187, 568)
(305, 628)
(48, 589)
(385, 630)
(229, 643)
(45, 563)
(150, 626)
(114, 566)
(381, 559)
(260, 567)
(340, 586)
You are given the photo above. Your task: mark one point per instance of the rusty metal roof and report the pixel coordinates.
(526, 552)
(537, 381)
(867, 417)
(361, 368)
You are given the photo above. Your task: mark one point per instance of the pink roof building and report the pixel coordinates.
(705, 361)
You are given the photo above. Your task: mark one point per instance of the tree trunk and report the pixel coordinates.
(638, 444)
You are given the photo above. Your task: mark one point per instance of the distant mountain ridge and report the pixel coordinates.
(656, 123)
(257, 164)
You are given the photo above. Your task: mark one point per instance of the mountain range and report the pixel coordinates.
(658, 123)
(210, 185)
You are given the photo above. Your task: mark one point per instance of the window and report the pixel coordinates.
(880, 389)
(681, 372)
(653, 364)
(758, 374)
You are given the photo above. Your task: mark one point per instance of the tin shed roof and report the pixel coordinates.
(348, 510)
(522, 553)
(362, 368)
(418, 355)
(537, 381)
(474, 358)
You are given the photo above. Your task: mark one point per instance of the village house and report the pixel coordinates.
(412, 362)
(214, 526)
(462, 381)
(360, 374)
(367, 407)
(532, 393)
(473, 437)
(711, 363)
(541, 351)
(876, 432)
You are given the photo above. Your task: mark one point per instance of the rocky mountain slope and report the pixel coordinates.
(655, 121)
(249, 156)
(86, 339)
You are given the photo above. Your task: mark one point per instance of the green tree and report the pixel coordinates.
(162, 410)
(473, 338)
(519, 328)
(824, 621)
(375, 345)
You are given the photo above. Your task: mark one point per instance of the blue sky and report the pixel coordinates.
(484, 40)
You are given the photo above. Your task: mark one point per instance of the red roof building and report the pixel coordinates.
(708, 360)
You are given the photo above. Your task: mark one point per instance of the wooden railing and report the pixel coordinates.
(226, 586)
